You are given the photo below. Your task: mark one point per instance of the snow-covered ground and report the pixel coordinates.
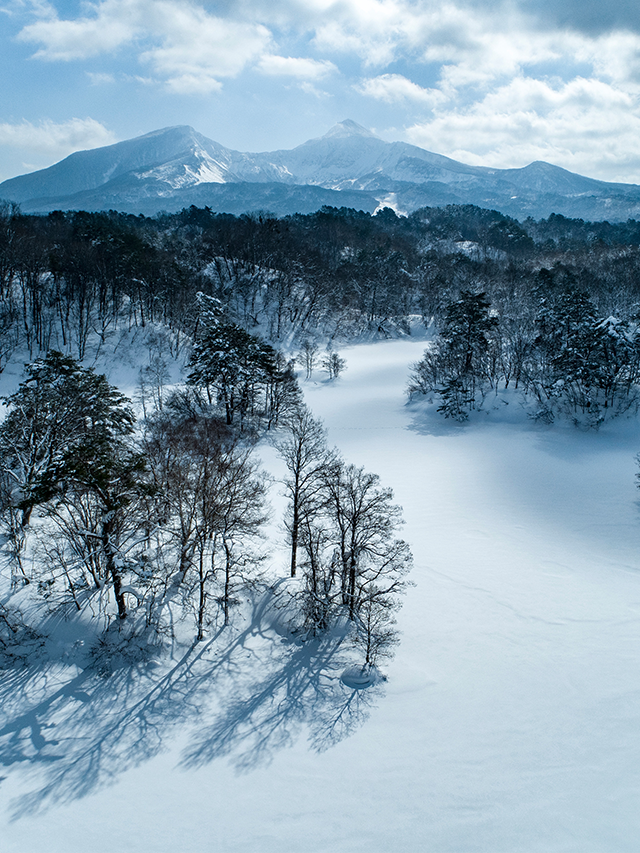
(511, 716)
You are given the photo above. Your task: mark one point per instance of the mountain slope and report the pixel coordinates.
(180, 147)
(176, 167)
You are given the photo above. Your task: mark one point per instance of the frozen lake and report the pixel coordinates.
(511, 716)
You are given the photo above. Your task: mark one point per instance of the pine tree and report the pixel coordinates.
(58, 411)
(248, 376)
(459, 366)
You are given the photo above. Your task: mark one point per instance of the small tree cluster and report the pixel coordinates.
(458, 366)
(307, 357)
(342, 531)
(334, 364)
(582, 366)
(212, 503)
(249, 378)
(565, 358)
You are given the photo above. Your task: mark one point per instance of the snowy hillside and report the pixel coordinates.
(510, 716)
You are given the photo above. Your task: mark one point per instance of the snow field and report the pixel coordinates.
(510, 718)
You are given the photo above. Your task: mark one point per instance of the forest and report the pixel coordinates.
(333, 275)
(121, 513)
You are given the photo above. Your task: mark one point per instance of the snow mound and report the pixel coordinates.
(358, 678)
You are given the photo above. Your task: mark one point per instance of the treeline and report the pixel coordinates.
(336, 273)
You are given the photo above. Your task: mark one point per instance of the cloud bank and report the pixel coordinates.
(492, 83)
(58, 140)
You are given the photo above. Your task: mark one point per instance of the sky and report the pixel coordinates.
(487, 82)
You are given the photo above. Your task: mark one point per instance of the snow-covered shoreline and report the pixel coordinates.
(509, 720)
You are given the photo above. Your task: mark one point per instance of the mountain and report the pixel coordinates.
(347, 167)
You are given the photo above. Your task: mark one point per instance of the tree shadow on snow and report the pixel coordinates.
(299, 690)
(562, 438)
(244, 694)
(426, 420)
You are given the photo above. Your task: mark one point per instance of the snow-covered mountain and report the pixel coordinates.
(347, 167)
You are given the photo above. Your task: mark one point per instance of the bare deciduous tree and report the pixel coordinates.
(304, 452)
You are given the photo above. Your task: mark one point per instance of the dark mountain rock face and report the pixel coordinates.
(348, 167)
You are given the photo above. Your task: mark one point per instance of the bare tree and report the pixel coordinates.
(344, 525)
(373, 563)
(238, 519)
(334, 364)
(304, 452)
(307, 356)
(212, 496)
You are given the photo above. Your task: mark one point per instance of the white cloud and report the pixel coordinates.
(115, 23)
(196, 44)
(585, 125)
(474, 45)
(474, 42)
(189, 48)
(299, 67)
(100, 78)
(310, 89)
(41, 8)
(614, 56)
(194, 84)
(394, 88)
(26, 146)
(57, 140)
(374, 30)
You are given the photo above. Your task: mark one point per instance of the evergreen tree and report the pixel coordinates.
(458, 365)
(249, 377)
(102, 504)
(583, 367)
(59, 411)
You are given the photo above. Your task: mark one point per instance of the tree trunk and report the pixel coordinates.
(227, 582)
(202, 601)
(112, 569)
(295, 528)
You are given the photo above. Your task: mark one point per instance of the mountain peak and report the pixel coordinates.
(348, 128)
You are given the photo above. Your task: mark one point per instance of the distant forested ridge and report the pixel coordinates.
(337, 273)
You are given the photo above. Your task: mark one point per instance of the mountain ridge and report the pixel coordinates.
(349, 166)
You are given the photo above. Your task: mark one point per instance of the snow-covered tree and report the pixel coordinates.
(247, 375)
(458, 366)
(583, 367)
(101, 512)
(67, 448)
(59, 411)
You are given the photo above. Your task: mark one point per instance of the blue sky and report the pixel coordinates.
(489, 83)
